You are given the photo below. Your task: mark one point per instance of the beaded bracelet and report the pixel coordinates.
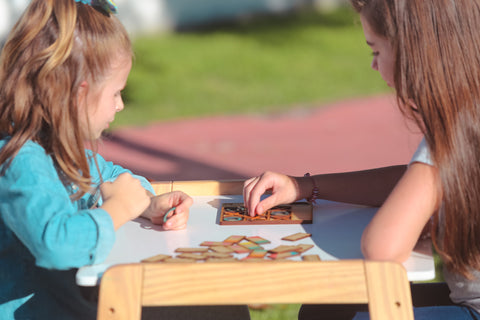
(315, 193)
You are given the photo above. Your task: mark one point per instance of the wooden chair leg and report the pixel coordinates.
(122, 300)
(388, 291)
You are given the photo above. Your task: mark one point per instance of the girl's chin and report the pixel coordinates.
(97, 136)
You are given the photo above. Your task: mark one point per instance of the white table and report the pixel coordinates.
(336, 233)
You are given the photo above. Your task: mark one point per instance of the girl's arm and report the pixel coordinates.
(37, 208)
(395, 229)
(158, 204)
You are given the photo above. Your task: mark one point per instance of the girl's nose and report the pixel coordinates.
(119, 107)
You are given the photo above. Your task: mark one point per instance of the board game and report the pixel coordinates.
(294, 213)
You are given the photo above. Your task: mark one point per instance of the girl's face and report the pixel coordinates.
(104, 101)
(383, 57)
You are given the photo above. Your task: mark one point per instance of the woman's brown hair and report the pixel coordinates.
(437, 80)
(53, 48)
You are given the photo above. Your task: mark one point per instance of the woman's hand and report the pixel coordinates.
(283, 188)
(161, 204)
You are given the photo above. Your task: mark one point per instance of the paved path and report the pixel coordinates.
(348, 135)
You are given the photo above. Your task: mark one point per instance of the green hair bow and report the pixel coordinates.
(107, 5)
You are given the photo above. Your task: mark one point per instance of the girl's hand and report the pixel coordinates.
(284, 190)
(124, 199)
(160, 204)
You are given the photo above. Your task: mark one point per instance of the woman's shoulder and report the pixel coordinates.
(422, 154)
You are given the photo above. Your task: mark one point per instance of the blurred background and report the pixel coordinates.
(225, 89)
(209, 57)
(169, 15)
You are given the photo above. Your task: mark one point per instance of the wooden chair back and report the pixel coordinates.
(125, 289)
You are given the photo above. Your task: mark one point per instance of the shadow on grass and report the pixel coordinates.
(185, 168)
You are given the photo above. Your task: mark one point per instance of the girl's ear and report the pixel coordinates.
(82, 93)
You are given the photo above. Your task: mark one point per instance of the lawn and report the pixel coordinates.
(257, 65)
(276, 312)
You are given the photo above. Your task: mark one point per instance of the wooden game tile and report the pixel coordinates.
(257, 254)
(239, 249)
(218, 255)
(280, 214)
(311, 257)
(194, 256)
(283, 248)
(283, 255)
(157, 258)
(233, 239)
(304, 247)
(222, 249)
(232, 259)
(297, 236)
(250, 245)
(258, 240)
(211, 243)
(179, 260)
(191, 250)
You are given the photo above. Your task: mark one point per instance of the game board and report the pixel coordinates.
(294, 213)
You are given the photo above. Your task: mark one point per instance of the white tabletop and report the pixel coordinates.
(336, 233)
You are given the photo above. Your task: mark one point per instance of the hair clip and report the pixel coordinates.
(106, 5)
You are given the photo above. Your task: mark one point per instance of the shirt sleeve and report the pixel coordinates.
(422, 154)
(37, 207)
(110, 171)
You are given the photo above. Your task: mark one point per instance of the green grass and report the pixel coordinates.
(276, 312)
(262, 65)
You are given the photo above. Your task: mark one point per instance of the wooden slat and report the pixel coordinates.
(161, 187)
(201, 187)
(246, 283)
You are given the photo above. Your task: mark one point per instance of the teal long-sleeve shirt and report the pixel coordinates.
(45, 236)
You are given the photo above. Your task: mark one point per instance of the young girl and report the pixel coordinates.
(428, 51)
(62, 71)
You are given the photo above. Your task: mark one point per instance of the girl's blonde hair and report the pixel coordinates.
(437, 80)
(52, 49)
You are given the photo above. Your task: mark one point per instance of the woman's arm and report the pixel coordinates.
(396, 227)
(367, 187)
